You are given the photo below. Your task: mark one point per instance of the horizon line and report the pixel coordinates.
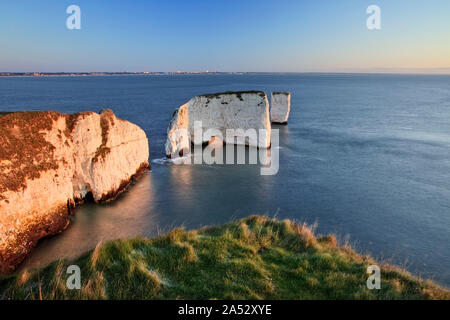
(411, 71)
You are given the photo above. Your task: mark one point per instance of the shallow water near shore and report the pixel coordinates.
(365, 156)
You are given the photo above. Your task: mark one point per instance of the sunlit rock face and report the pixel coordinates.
(236, 111)
(178, 140)
(280, 107)
(49, 162)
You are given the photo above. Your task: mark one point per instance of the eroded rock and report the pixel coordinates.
(280, 107)
(234, 111)
(49, 162)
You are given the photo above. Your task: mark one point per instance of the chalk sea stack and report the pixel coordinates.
(238, 111)
(280, 107)
(49, 162)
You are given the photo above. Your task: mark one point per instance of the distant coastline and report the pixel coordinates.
(384, 71)
(78, 74)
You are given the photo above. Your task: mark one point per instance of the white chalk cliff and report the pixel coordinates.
(49, 162)
(280, 107)
(238, 111)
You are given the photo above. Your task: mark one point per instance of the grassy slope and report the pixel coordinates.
(253, 258)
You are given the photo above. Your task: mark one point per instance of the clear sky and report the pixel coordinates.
(223, 35)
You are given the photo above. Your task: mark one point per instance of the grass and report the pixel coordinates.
(253, 258)
(239, 94)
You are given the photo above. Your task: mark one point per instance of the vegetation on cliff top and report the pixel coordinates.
(253, 258)
(107, 117)
(238, 94)
(24, 151)
(281, 92)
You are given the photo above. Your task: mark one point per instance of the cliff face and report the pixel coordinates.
(178, 138)
(239, 111)
(280, 107)
(49, 162)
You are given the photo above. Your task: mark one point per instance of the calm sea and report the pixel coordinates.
(365, 156)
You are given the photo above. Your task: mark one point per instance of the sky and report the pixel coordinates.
(224, 35)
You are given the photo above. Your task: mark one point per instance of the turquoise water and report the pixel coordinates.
(364, 156)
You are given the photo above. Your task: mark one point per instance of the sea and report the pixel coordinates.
(364, 156)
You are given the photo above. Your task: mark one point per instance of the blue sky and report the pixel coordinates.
(224, 35)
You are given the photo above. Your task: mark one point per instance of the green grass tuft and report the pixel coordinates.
(253, 258)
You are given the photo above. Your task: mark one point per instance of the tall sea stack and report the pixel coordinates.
(237, 111)
(280, 107)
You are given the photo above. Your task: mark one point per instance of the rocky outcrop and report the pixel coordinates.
(280, 107)
(49, 162)
(238, 111)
